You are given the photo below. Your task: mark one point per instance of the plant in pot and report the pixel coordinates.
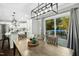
(33, 40)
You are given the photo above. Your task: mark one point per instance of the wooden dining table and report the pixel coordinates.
(43, 49)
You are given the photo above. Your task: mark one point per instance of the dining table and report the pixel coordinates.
(43, 49)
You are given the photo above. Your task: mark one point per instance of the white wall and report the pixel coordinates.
(35, 26)
(29, 27)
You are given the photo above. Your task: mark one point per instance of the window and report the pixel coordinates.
(61, 26)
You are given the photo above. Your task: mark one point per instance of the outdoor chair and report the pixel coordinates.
(52, 40)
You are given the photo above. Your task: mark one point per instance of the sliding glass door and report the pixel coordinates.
(58, 27)
(62, 24)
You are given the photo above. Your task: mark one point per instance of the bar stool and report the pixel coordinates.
(3, 41)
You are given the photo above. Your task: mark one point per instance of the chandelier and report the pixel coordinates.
(14, 24)
(14, 21)
(44, 8)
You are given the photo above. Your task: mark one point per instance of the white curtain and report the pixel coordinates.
(73, 35)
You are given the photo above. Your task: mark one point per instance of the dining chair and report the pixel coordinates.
(52, 40)
(3, 41)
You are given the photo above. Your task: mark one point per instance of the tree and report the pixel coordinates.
(64, 23)
(49, 24)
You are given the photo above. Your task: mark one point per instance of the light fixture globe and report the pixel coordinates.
(14, 21)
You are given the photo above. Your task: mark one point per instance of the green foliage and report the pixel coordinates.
(49, 24)
(61, 22)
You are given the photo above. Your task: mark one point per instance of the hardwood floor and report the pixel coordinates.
(5, 51)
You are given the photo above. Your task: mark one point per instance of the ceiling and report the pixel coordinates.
(23, 11)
